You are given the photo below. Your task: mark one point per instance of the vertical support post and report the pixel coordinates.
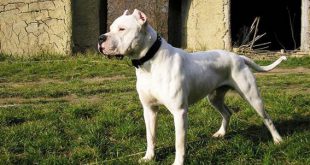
(304, 43)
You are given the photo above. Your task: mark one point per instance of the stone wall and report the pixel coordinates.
(35, 26)
(206, 24)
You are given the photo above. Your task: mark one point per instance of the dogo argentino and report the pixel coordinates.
(177, 79)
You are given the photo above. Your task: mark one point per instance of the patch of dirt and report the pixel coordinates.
(12, 100)
(271, 55)
(288, 89)
(100, 79)
(33, 83)
(16, 101)
(57, 81)
(299, 70)
(296, 89)
(74, 99)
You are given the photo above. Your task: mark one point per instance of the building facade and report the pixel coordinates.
(30, 27)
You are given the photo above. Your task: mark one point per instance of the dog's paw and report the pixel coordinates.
(178, 162)
(218, 134)
(277, 141)
(146, 158)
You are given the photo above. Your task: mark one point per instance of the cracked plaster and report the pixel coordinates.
(210, 30)
(35, 26)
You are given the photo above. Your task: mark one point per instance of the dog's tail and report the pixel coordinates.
(258, 68)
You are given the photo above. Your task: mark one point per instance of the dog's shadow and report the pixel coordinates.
(256, 133)
(260, 133)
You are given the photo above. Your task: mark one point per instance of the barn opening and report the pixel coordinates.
(279, 19)
(86, 25)
(175, 23)
(103, 14)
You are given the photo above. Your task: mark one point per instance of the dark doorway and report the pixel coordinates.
(86, 24)
(175, 23)
(103, 12)
(279, 19)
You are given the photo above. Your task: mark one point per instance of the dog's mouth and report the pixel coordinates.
(101, 49)
(110, 56)
(118, 56)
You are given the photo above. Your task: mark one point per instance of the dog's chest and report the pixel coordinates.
(148, 89)
(157, 88)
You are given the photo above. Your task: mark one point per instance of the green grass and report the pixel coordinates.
(85, 109)
(292, 62)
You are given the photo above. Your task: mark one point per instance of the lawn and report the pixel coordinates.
(85, 109)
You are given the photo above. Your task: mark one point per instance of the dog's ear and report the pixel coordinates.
(140, 16)
(126, 12)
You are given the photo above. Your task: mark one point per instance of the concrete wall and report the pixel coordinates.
(305, 22)
(35, 26)
(64, 26)
(206, 24)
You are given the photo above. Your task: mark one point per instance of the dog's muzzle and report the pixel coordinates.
(102, 38)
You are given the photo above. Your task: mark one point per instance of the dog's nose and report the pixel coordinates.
(102, 38)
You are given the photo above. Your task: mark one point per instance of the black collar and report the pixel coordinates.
(149, 54)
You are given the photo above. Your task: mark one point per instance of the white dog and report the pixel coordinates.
(177, 79)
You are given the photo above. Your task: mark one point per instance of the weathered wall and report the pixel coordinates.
(305, 29)
(34, 26)
(62, 26)
(206, 24)
(155, 10)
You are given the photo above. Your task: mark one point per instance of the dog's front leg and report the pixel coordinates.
(180, 122)
(150, 114)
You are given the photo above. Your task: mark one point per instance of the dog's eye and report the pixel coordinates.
(121, 29)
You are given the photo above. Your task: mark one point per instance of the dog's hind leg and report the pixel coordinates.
(245, 84)
(216, 98)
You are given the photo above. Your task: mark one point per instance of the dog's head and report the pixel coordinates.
(126, 37)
